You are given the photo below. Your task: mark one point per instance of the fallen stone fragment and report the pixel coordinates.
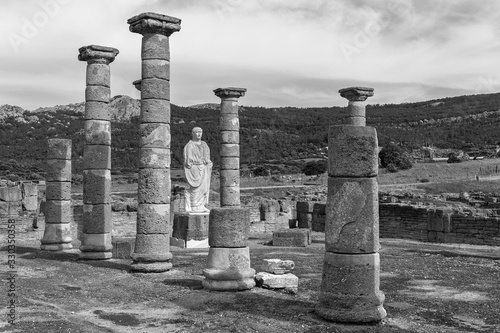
(277, 266)
(288, 282)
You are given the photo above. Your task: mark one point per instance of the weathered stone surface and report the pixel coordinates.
(150, 267)
(230, 92)
(152, 24)
(155, 89)
(277, 266)
(155, 111)
(350, 288)
(98, 132)
(98, 75)
(96, 243)
(229, 178)
(97, 53)
(10, 193)
(229, 164)
(97, 111)
(58, 191)
(56, 234)
(97, 94)
(228, 285)
(154, 158)
(30, 189)
(228, 264)
(229, 122)
(229, 227)
(30, 203)
(292, 237)
(58, 170)
(95, 255)
(191, 226)
(230, 137)
(96, 219)
(154, 135)
(152, 247)
(56, 247)
(305, 206)
(59, 149)
(357, 109)
(155, 68)
(355, 121)
(287, 281)
(353, 151)
(352, 220)
(58, 211)
(122, 247)
(230, 196)
(229, 106)
(96, 186)
(356, 93)
(154, 186)
(230, 150)
(153, 219)
(96, 157)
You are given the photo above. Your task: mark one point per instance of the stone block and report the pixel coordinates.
(319, 209)
(229, 227)
(154, 186)
(4, 194)
(97, 94)
(305, 220)
(122, 247)
(58, 170)
(58, 191)
(30, 190)
(155, 111)
(155, 46)
(15, 208)
(355, 121)
(353, 151)
(191, 226)
(155, 68)
(30, 203)
(350, 288)
(58, 211)
(155, 89)
(96, 219)
(230, 196)
(154, 158)
(97, 111)
(153, 219)
(230, 164)
(228, 264)
(152, 247)
(59, 149)
(351, 224)
(96, 243)
(305, 206)
(230, 150)
(154, 135)
(96, 157)
(229, 285)
(292, 237)
(96, 186)
(357, 109)
(229, 122)
(287, 281)
(277, 266)
(230, 137)
(98, 75)
(56, 233)
(97, 132)
(229, 106)
(229, 178)
(4, 208)
(14, 193)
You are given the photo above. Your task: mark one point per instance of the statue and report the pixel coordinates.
(198, 169)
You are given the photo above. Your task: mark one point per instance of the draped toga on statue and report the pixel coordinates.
(198, 169)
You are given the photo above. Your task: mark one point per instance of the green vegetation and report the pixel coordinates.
(315, 168)
(394, 158)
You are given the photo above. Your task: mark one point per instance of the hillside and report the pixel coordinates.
(279, 134)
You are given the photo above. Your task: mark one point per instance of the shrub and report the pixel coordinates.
(315, 168)
(391, 168)
(395, 157)
(261, 171)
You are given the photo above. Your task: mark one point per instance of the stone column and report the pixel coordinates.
(351, 271)
(357, 97)
(228, 263)
(57, 234)
(152, 245)
(96, 219)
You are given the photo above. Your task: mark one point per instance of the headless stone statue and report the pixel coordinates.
(198, 169)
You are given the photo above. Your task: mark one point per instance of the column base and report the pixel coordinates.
(95, 255)
(150, 267)
(229, 285)
(56, 247)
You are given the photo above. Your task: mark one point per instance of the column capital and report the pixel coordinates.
(152, 23)
(137, 84)
(230, 92)
(356, 93)
(97, 53)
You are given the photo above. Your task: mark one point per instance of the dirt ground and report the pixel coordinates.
(428, 287)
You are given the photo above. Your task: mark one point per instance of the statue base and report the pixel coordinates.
(190, 230)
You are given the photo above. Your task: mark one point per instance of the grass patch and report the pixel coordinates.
(491, 186)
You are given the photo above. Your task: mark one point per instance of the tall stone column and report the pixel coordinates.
(58, 214)
(97, 224)
(152, 245)
(228, 263)
(351, 271)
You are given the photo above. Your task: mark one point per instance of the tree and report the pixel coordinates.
(315, 168)
(261, 171)
(394, 158)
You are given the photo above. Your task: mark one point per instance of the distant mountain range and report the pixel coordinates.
(284, 135)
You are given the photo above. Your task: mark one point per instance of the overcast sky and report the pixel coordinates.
(285, 52)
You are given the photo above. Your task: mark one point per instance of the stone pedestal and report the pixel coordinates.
(58, 209)
(351, 271)
(190, 230)
(96, 219)
(152, 246)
